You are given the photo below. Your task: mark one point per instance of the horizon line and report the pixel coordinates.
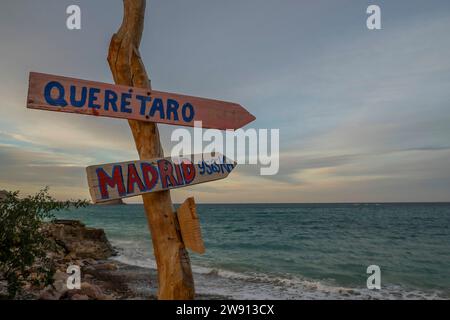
(248, 203)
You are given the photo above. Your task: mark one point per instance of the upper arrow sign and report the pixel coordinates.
(56, 93)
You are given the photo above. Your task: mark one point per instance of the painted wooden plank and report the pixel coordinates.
(128, 179)
(190, 226)
(56, 93)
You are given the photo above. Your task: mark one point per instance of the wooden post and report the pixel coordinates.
(174, 269)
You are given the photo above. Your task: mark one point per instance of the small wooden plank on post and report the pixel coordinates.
(190, 226)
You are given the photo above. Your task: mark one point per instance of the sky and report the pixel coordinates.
(364, 115)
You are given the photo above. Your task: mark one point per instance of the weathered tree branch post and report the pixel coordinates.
(174, 270)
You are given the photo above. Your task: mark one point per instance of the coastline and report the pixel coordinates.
(101, 276)
(224, 285)
(131, 282)
(108, 272)
(303, 259)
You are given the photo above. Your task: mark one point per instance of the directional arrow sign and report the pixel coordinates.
(55, 93)
(127, 179)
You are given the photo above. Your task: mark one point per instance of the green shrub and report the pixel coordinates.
(23, 245)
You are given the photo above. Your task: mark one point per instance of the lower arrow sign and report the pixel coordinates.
(128, 179)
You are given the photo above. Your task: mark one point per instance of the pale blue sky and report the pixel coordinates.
(363, 115)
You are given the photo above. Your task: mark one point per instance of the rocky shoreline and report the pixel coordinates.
(102, 278)
(74, 244)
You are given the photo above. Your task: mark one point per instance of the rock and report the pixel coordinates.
(79, 297)
(89, 261)
(88, 270)
(2, 194)
(48, 295)
(111, 203)
(53, 292)
(72, 223)
(105, 266)
(91, 291)
(60, 286)
(59, 275)
(78, 241)
(75, 244)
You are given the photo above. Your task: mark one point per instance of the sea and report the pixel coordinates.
(300, 251)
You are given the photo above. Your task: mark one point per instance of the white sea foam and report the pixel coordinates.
(236, 285)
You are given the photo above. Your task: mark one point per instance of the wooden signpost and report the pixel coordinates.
(153, 176)
(128, 179)
(62, 94)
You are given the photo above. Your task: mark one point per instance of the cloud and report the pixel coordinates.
(29, 171)
(363, 116)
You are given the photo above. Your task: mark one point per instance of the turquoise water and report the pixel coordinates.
(302, 251)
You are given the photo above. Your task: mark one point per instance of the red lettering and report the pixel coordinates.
(179, 175)
(166, 173)
(188, 171)
(104, 180)
(147, 170)
(134, 178)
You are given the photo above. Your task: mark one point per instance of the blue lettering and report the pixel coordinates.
(92, 98)
(208, 168)
(172, 108)
(144, 100)
(73, 97)
(157, 106)
(110, 99)
(125, 102)
(202, 167)
(187, 107)
(60, 102)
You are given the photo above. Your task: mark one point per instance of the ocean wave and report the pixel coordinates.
(237, 285)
